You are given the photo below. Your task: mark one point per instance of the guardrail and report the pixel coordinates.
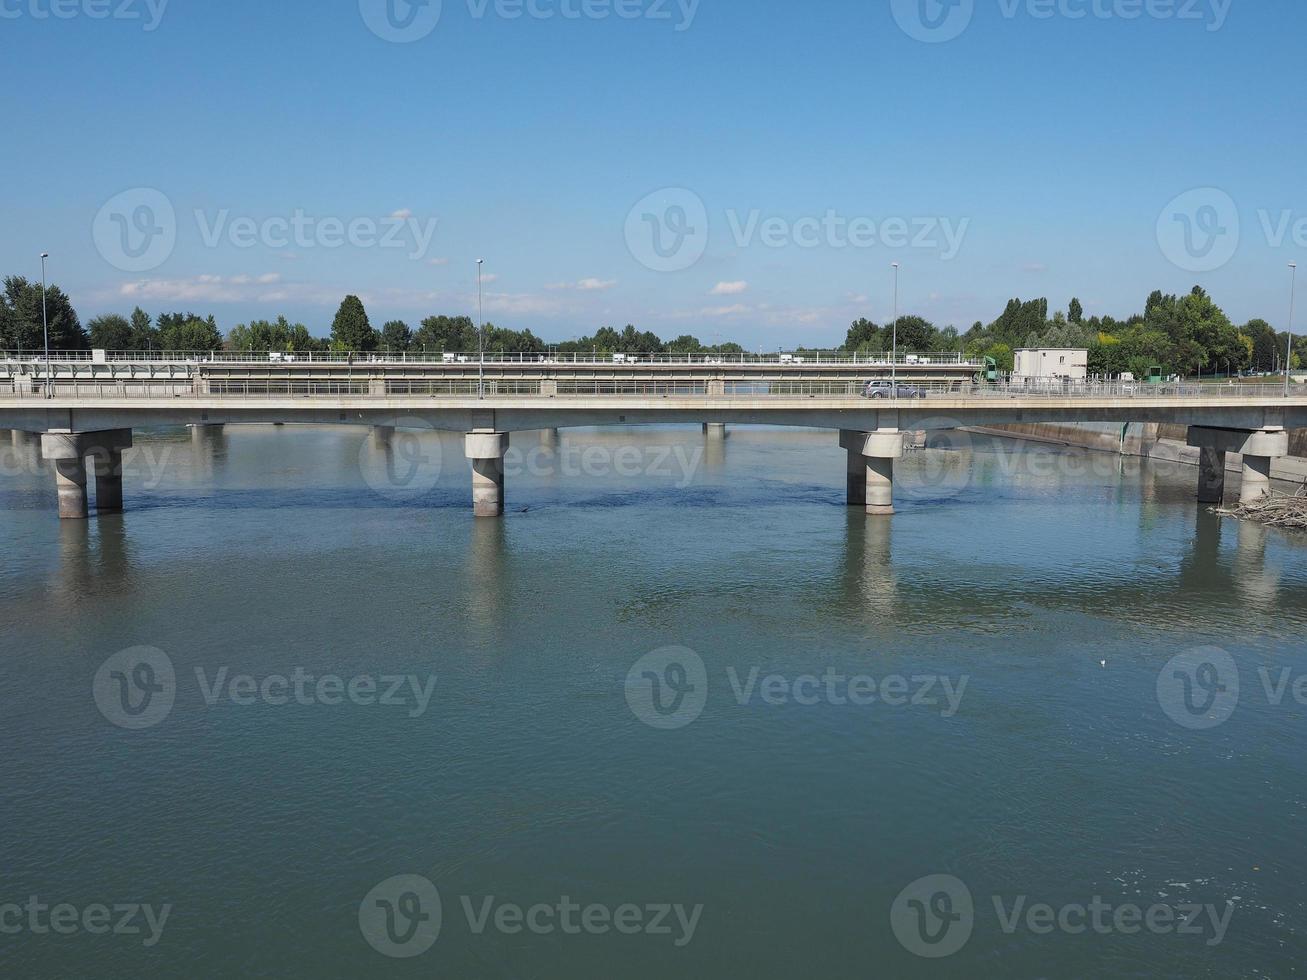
(379, 357)
(638, 388)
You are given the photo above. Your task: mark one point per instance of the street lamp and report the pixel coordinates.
(45, 326)
(894, 353)
(481, 327)
(1288, 354)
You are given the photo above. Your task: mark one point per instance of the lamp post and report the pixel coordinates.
(1288, 354)
(45, 326)
(894, 352)
(481, 349)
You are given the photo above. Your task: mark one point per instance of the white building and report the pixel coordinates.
(1050, 364)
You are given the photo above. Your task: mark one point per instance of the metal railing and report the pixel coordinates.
(799, 358)
(853, 391)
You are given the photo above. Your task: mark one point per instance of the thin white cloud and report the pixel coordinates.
(403, 214)
(729, 289)
(591, 285)
(441, 261)
(1035, 268)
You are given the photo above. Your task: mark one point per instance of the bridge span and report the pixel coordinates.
(75, 422)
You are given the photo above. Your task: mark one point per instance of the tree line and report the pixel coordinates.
(1183, 335)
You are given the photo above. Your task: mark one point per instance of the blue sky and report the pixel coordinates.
(1034, 153)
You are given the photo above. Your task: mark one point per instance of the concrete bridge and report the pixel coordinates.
(75, 422)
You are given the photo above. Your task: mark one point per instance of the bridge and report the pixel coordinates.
(93, 417)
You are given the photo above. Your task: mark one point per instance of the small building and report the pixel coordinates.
(1050, 364)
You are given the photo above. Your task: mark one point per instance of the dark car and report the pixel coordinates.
(888, 389)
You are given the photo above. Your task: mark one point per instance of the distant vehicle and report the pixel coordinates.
(791, 359)
(277, 357)
(887, 389)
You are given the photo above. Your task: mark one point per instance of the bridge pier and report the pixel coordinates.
(486, 451)
(549, 438)
(871, 458)
(715, 430)
(1257, 447)
(69, 451)
(1211, 476)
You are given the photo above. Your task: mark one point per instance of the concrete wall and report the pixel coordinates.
(1153, 440)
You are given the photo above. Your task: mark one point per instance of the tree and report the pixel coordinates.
(446, 334)
(1076, 312)
(351, 331)
(1268, 353)
(396, 337)
(110, 332)
(144, 336)
(23, 323)
(188, 333)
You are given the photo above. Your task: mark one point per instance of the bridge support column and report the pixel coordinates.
(382, 434)
(878, 450)
(69, 451)
(1256, 482)
(486, 452)
(715, 430)
(1211, 476)
(549, 438)
(1257, 447)
(108, 481)
(856, 469)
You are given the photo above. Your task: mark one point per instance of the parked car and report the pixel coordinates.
(887, 389)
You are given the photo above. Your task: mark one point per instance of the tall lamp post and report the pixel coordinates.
(481, 329)
(45, 326)
(1288, 354)
(894, 353)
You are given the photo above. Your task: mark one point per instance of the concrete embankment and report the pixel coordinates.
(1148, 439)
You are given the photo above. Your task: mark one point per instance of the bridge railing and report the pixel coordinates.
(701, 390)
(383, 357)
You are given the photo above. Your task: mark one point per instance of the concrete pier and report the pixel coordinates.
(1256, 482)
(108, 480)
(549, 438)
(715, 430)
(1211, 476)
(856, 470)
(69, 451)
(1257, 447)
(878, 451)
(486, 451)
(70, 481)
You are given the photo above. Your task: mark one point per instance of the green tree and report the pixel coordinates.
(396, 337)
(23, 324)
(1076, 312)
(446, 334)
(351, 331)
(144, 336)
(110, 332)
(188, 332)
